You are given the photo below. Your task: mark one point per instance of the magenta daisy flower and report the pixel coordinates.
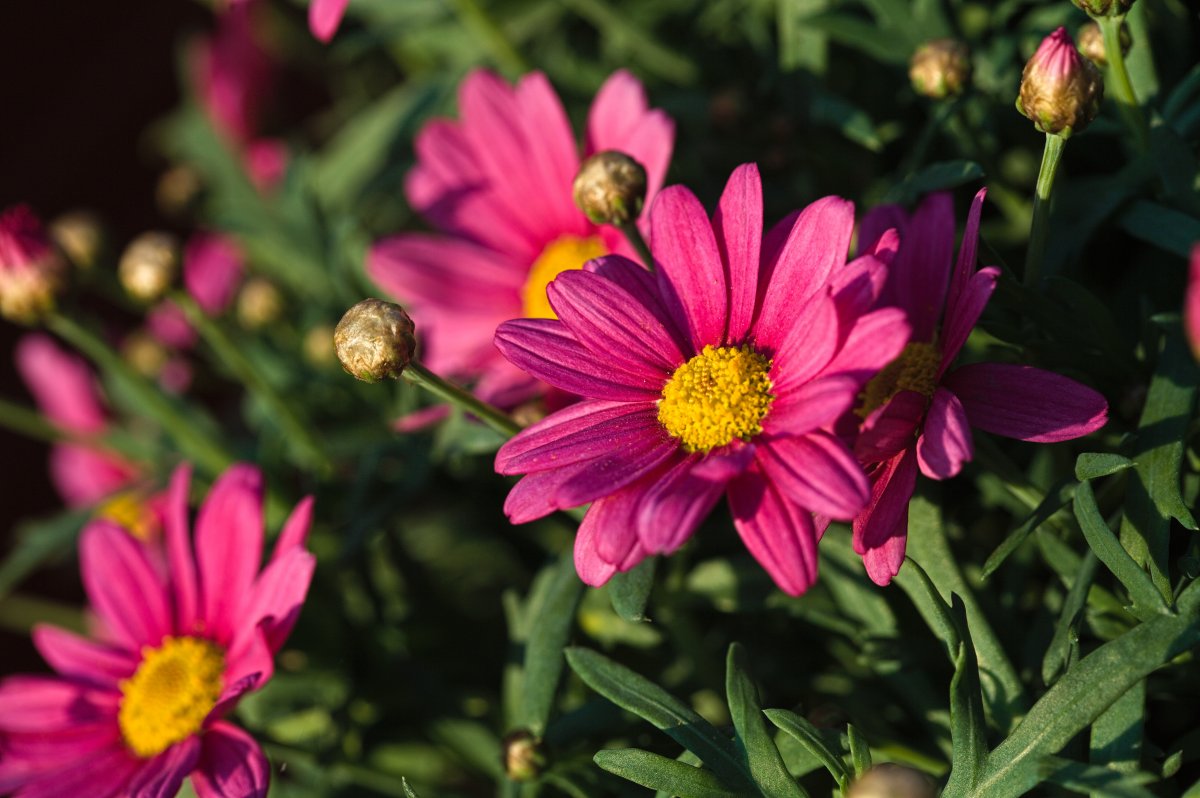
(718, 375)
(1191, 303)
(917, 414)
(497, 187)
(140, 708)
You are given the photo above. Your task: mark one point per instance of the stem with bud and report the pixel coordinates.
(634, 236)
(1040, 226)
(492, 416)
(1119, 82)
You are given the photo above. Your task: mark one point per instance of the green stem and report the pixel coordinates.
(1040, 228)
(478, 22)
(195, 445)
(298, 433)
(634, 236)
(1118, 80)
(19, 613)
(32, 424)
(494, 417)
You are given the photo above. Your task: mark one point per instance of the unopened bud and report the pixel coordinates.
(1104, 8)
(177, 190)
(940, 68)
(1091, 43)
(31, 270)
(145, 354)
(1060, 89)
(259, 303)
(524, 757)
(148, 265)
(375, 340)
(889, 780)
(80, 236)
(610, 188)
(318, 345)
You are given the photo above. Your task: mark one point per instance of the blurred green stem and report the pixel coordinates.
(19, 613)
(476, 20)
(1040, 228)
(32, 424)
(634, 236)
(464, 400)
(1118, 80)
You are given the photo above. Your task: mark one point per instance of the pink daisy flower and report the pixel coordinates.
(140, 708)
(918, 413)
(497, 186)
(1191, 303)
(718, 375)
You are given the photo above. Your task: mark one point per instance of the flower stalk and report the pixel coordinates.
(1119, 82)
(1040, 227)
(495, 418)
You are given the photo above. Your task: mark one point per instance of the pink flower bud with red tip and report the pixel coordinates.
(1060, 89)
(31, 270)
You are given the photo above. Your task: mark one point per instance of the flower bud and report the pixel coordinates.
(177, 191)
(1091, 43)
(1104, 8)
(148, 265)
(610, 188)
(524, 757)
(318, 346)
(940, 68)
(259, 303)
(80, 236)
(1060, 89)
(144, 353)
(31, 270)
(889, 780)
(375, 340)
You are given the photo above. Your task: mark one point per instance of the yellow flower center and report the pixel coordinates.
(560, 255)
(171, 693)
(915, 370)
(720, 394)
(130, 511)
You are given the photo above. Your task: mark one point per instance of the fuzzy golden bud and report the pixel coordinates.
(375, 340)
(610, 188)
(940, 68)
(318, 345)
(1060, 89)
(80, 236)
(145, 354)
(524, 757)
(259, 303)
(1091, 43)
(148, 266)
(32, 272)
(178, 189)
(889, 780)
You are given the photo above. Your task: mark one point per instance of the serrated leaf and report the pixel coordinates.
(660, 773)
(1104, 543)
(810, 737)
(765, 764)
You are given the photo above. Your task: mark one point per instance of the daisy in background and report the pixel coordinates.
(497, 186)
(917, 414)
(139, 708)
(720, 374)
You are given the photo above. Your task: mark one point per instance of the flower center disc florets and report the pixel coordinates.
(720, 394)
(171, 693)
(130, 511)
(560, 255)
(915, 370)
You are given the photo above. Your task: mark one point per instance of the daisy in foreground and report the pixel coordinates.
(497, 185)
(918, 413)
(139, 708)
(719, 374)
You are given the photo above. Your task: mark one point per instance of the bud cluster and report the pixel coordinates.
(1104, 8)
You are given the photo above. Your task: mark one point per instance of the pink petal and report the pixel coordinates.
(438, 270)
(325, 17)
(278, 596)
(681, 498)
(61, 382)
(229, 538)
(169, 325)
(101, 775)
(616, 469)
(892, 428)
(84, 475)
(554, 160)
(231, 764)
(1191, 303)
(79, 658)
(266, 163)
(180, 558)
(964, 266)
(881, 528)
(593, 569)
(123, 586)
(965, 311)
(642, 285)
(776, 531)
(533, 495)
(858, 287)
(250, 663)
(616, 111)
(876, 339)
(295, 529)
(690, 270)
(814, 404)
(46, 704)
(816, 471)
(809, 345)
(580, 432)
(29, 758)
(212, 269)
(738, 228)
(1027, 403)
(946, 441)
(920, 275)
(876, 224)
(162, 777)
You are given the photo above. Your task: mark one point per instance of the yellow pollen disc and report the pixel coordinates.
(720, 394)
(915, 370)
(171, 693)
(560, 255)
(130, 511)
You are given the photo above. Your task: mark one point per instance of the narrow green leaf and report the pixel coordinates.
(473, 742)
(801, 47)
(1094, 780)
(1093, 465)
(549, 618)
(1066, 630)
(968, 729)
(38, 542)
(630, 590)
(935, 177)
(408, 791)
(862, 35)
(1117, 734)
(860, 750)
(765, 764)
(810, 737)
(1167, 228)
(1057, 498)
(660, 773)
(924, 595)
(650, 702)
(1104, 543)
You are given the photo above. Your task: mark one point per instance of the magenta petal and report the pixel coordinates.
(123, 586)
(295, 529)
(61, 382)
(817, 243)
(690, 270)
(816, 471)
(946, 442)
(964, 266)
(580, 432)
(738, 228)
(877, 223)
(163, 776)
(1027, 403)
(555, 160)
(920, 275)
(231, 764)
(79, 658)
(778, 533)
(616, 110)
(180, 558)
(616, 469)
(440, 270)
(101, 775)
(278, 595)
(212, 269)
(684, 496)
(964, 311)
(892, 428)
(876, 339)
(809, 345)
(880, 530)
(250, 663)
(546, 349)
(593, 569)
(533, 496)
(642, 285)
(1191, 303)
(44, 704)
(812, 405)
(229, 538)
(84, 475)
(325, 17)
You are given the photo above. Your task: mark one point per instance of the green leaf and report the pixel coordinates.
(660, 773)
(473, 742)
(1117, 734)
(549, 618)
(1093, 465)
(38, 542)
(1056, 498)
(935, 177)
(855, 124)
(1095, 780)
(810, 737)
(859, 34)
(800, 46)
(1066, 630)
(408, 791)
(650, 702)
(1166, 228)
(630, 590)
(860, 750)
(920, 589)
(765, 764)
(968, 729)
(1104, 543)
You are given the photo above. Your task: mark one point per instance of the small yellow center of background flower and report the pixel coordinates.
(171, 693)
(915, 370)
(560, 255)
(130, 511)
(720, 394)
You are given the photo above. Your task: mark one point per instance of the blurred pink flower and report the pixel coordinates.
(325, 17)
(918, 415)
(497, 185)
(212, 270)
(1191, 303)
(140, 708)
(266, 161)
(167, 322)
(233, 75)
(30, 267)
(718, 375)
